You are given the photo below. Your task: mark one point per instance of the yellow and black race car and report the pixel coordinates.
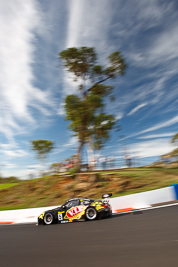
(78, 209)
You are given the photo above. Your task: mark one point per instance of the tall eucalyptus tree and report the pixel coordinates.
(86, 110)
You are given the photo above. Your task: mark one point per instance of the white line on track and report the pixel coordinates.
(148, 208)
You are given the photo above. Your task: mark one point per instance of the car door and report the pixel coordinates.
(74, 210)
(68, 206)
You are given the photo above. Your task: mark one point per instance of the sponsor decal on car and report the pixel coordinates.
(98, 205)
(75, 212)
(42, 216)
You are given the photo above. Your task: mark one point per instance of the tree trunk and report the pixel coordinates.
(91, 157)
(78, 163)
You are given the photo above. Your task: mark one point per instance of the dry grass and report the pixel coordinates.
(54, 190)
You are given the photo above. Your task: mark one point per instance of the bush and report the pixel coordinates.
(72, 170)
(11, 179)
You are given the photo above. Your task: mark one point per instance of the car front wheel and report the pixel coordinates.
(48, 218)
(91, 213)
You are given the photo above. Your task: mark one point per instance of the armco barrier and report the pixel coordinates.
(119, 204)
(175, 186)
(143, 200)
(22, 215)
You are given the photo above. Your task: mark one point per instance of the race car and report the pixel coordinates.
(77, 209)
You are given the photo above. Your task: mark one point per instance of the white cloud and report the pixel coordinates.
(11, 151)
(146, 32)
(119, 115)
(74, 24)
(34, 167)
(88, 22)
(152, 136)
(167, 123)
(165, 46)
(61, 110)
(72, 142)
(20, 173)
(162, 47)
(8, 165)
(19, 153)
(8, 146)
(19, 21)
(136, 109)
(24, 172)
(151, 148)
(158, 126)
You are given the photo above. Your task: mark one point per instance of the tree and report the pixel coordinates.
(42, 147)
(174, 140)
(85, 110)
(55, 167)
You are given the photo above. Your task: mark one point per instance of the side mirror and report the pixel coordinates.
(63, 206)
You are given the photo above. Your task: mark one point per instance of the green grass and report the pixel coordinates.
(7, 185)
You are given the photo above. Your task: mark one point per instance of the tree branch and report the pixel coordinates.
(101, 81)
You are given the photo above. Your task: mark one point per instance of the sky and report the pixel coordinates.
(33, 83)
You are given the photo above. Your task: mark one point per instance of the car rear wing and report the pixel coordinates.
(107, 195)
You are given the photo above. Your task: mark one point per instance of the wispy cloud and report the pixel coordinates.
(153, 136)
(119, 115)
(167, 123)
(8, 165)
(134, 110)
(155, 57)
(33, 87)
(151, 148)
(157, 126)
(71, 143)
(12, 150)
(88, 22)
(165, 45)
(61, 110)
(19, 22)
(17, 153)
(148, 16)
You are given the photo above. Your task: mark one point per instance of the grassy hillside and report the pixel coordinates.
(54, 190)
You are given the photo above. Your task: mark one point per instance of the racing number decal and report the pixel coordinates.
(60, 216)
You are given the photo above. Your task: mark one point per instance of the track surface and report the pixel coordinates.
(140, 239)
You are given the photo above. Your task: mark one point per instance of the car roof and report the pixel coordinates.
(81, 198)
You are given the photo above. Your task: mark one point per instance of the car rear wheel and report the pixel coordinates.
(91, 213)
(48, 218)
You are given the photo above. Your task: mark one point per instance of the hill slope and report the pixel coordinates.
(54, 190)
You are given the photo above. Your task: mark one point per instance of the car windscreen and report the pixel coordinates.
(72, 203)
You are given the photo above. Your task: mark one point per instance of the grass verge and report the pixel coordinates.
(54, 190)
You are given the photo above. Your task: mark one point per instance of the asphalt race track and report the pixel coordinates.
(140, 239)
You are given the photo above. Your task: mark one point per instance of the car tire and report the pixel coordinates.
(91, 214)
(48, 218)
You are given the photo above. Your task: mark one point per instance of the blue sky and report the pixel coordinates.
(33, 84)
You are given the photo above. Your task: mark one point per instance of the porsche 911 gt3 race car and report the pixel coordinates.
(77, 209)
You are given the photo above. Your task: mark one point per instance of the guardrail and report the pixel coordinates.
(119, 204)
